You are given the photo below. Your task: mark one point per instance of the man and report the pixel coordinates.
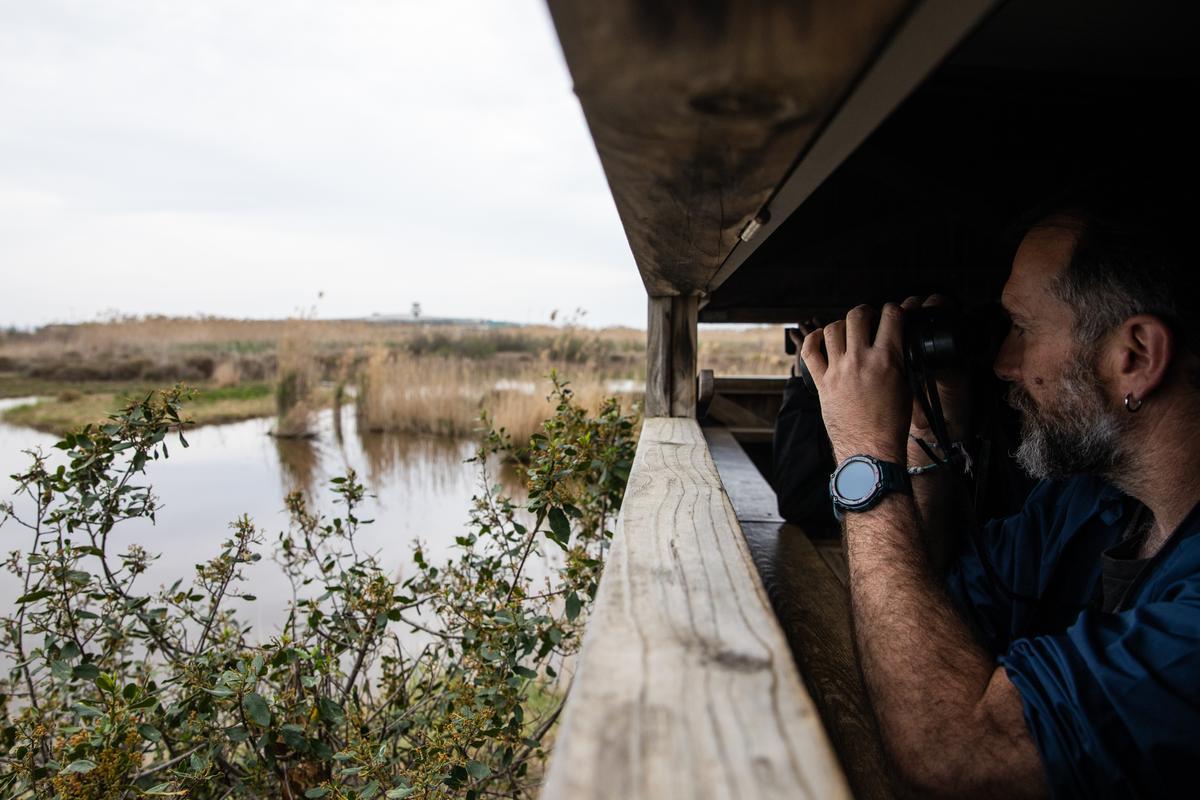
(1058, 652)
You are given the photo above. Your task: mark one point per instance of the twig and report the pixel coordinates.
(166, 764)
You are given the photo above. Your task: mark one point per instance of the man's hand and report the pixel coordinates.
(865, 399)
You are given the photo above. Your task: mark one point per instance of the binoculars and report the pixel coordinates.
(936, 338)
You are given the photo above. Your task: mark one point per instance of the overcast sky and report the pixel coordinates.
(237, 158)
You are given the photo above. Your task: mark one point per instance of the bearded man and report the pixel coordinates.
(1056, 651)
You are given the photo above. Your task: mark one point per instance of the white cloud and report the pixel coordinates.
(237, 158)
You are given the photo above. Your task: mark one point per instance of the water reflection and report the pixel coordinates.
(388, 454)
(420, 488)
(298, 461)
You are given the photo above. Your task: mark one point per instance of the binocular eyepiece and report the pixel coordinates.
(936, 338)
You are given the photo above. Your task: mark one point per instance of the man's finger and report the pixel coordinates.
(937, 300)
(912, 303)
(835, 340)
(810, 351)
(797, 335)
(891, 328)
(858, 327)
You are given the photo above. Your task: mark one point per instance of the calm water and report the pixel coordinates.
(421, 490)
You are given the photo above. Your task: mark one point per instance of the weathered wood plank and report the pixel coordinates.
(698, 110)
(729, 412)
(834, 556)
(685, 686)
(658, 356)
(752, 497)
(671, 356)
(683, 355)
(926, 36)
(814, 610)
(813, 607)
(767, 311)
(749, 384)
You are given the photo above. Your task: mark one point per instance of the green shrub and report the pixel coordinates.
(117, 692)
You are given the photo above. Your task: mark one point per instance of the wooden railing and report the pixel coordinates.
(685, 686)
(808, 585)
(746, 405)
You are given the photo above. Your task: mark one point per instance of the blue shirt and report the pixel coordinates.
(1112, 700)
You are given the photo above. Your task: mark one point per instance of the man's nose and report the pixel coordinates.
(1007, 360)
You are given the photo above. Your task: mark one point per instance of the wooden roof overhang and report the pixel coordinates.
(780, 158)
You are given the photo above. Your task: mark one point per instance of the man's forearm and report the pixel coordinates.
(925, 674)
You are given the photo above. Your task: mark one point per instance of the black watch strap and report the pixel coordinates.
(894, 478)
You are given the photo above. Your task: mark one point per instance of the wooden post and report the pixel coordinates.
(671, 356)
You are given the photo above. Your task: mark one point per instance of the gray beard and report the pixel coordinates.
(1079, 434)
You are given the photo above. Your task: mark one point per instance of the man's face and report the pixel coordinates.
(1068, 424)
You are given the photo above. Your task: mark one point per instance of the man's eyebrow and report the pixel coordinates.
(1012, 309)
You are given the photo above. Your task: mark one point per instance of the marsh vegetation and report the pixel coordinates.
(412, 376)
(115, 688)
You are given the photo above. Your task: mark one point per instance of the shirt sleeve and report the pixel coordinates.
(1113, 703)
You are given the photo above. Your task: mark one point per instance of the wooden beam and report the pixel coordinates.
(782, 315)
(749, 384)
(698, 110)
(684, 685)
(729, 412)
(926, 36)
(671, 356)
(658, 357)
(683, 355)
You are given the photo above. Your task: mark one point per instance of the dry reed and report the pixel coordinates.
(398, 392)
(297, 377)
(426, 377)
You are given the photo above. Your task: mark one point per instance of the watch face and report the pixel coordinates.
(856, 481)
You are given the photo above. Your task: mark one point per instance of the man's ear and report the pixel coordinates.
(1144, 348)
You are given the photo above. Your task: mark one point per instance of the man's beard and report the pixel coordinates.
(1079, 433)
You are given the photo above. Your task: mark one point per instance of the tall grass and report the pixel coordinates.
(400, 392)
(296, 382)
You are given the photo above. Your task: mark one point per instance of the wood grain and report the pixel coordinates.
(727, 411)
(834, 556)
(671, 356)
(747, 405)
(698, 110)
(749, 384)
(685, 686)
(812, 605)
(752, 497)
(925, 38)
(658, 356)
(684, 350)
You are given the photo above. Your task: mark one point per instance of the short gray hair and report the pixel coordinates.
(1126, 261)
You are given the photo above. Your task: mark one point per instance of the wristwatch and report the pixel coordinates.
(861, 481)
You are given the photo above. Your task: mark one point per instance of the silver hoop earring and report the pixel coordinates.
(1131, 405)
